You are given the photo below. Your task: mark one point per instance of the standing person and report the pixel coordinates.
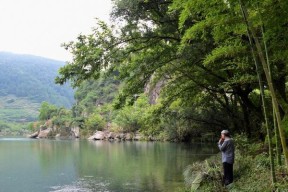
(226, 146)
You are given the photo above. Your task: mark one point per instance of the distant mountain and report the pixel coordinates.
(33, 78)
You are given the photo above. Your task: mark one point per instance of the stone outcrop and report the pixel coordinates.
(153, 89)
(104, 135)
(75, 132)
(117, 136)
(53, 131)
(128, 137)
(99, 135)
(111, 135)
(122, 136)
(137, 137)
(44, 133)
(34, 135)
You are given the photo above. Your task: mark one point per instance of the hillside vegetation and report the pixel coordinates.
(25, 82)
(33, 77)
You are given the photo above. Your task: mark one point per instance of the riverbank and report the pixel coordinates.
(47, 130)
(251, 172)
(75, 132)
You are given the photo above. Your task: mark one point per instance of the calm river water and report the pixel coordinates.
(82, 166)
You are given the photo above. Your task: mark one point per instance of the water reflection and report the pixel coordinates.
(50, 165)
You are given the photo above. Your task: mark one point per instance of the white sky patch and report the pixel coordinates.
(39, 27)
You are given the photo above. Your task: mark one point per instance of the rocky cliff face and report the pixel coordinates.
(49, 131)
(153, 90)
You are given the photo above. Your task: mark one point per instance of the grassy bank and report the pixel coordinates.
(251, 172)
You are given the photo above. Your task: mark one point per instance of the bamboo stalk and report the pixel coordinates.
(278, 151)
(264, 105)
(278, 147)
(269, 81)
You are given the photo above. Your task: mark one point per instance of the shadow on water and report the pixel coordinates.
(50, 165)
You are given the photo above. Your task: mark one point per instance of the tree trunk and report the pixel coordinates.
(246, 115)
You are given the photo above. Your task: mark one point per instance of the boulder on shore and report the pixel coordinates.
(137, 137)
(128, 137)
(121, 136)
(34, 135)
(44, 133)
(111, 135)
(105, 135)
(75, 131)
(99, 135)
(151, 138)
(117, 136)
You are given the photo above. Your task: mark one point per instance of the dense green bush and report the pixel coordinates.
(95, 122)
(130, 117)
(47, 111)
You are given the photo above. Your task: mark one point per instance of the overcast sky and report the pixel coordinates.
(39, 27)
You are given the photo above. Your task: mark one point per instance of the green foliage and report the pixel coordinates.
(151, 122)
(130, 117)
(58, 118)
(148, 49)
(4, 125)
(92, 94)
(13, 128)
(93, 107)
(95, 122)
(195, 55)
(47, 111)
(90, 56)
(209, 171)
(15, 109)
(62, 118)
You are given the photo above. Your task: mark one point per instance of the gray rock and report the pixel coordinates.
(137, 137)
(99, 135)
(76, 131)
(117, 136)
(42, 127)
(111, 135)
(128, 137)
(34, 135)
(151, 138)
(122, 136)
(44, 133)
